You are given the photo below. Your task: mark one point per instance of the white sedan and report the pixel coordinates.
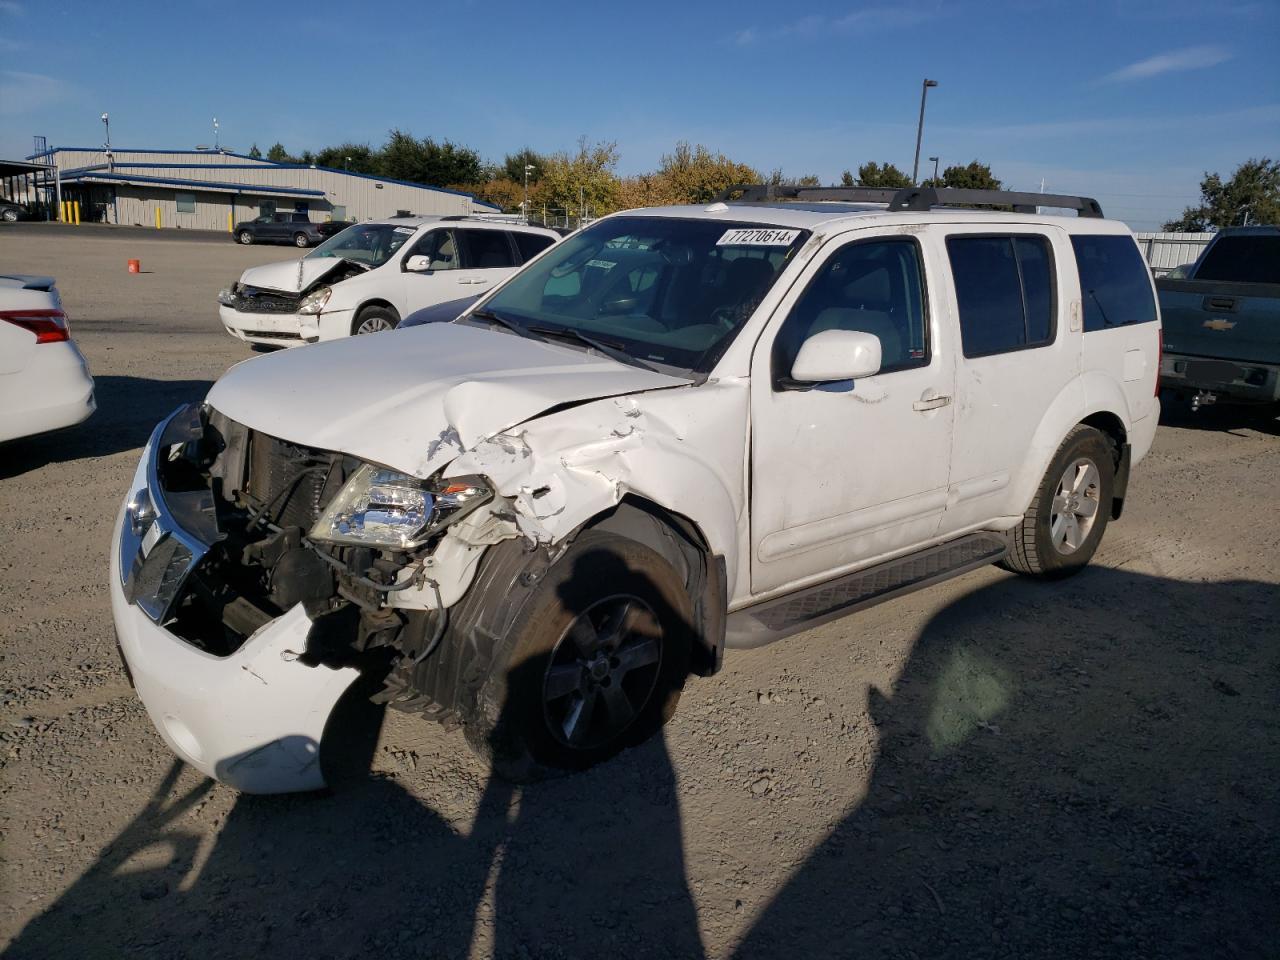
(44, 380)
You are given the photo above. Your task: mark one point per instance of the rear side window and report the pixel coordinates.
(1115, 284)
(485, 249)
(1005, 291)
(1242, 259)
(531, 244)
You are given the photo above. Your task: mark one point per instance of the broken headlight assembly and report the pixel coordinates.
(227, 295)
(382, 508)
(314, 301)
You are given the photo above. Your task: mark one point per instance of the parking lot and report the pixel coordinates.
(990, 767)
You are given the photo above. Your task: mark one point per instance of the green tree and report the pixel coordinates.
(255, 152)
(356, 157)
(582, 179)
(1253, 190)
(696, 175)
(404, 157)
(777, 178)
(278, 154)
(874, 174)
(513, 165)
(972, 176)
(847, 179)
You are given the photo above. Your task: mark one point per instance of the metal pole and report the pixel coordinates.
(915, 165)
(935, 169)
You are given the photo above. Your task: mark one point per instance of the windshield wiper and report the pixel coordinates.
(511, 325)
(612, 350)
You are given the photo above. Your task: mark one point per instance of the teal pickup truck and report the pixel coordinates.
(1222, 321)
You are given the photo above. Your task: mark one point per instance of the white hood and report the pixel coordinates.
(414, 399)
(289, 276)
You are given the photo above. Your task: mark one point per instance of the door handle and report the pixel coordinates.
(934, 403)
(471, 280)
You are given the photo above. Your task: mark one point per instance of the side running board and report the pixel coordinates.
(780, 617)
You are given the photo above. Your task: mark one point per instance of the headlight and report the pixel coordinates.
(227, 295)
(314, 301)
(381, 508)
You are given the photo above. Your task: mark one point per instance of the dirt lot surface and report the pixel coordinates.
(993, 767)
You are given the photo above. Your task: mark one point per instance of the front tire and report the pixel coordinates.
(245, 237)
(374, 320)
(301, 240)
(10, 216)
(1064, 524)
(594, 663)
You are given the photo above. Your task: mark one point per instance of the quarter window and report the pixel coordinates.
(873, 287)
(1115, 284)
(1005, 292)
(486, 249)
(531, 244)
(186, 202)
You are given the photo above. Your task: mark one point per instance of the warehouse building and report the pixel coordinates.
(211, 190)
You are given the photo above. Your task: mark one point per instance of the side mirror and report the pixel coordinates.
(837, 355)
(418, 264)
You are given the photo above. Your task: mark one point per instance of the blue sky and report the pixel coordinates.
(1128, 100)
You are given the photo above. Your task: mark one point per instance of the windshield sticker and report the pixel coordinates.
(605, 265)
(406, 231)
(758, 237)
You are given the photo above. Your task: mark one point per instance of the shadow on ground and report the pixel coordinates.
(1081, 769)
(128, 410)
(1220, 417)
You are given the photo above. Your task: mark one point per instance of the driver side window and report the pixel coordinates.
(874, 287)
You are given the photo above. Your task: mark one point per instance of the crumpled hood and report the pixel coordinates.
(289, 276)
(414, 399)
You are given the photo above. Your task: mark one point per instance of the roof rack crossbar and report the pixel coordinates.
(912, 198)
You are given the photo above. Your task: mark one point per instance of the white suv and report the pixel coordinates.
(370, 276)
(682, 429)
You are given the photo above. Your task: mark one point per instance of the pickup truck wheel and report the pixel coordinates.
(1064, 523)
(301, 240)
(9, 216)
(245, 237)
(594, 663)
(374, 320)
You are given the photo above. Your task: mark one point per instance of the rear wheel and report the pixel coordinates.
(245, 237)
(594, 663)
(1064, 524)
(374, 320)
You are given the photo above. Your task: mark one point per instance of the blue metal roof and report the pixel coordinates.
(207, 186)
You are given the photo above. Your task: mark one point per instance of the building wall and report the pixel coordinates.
(349, 196)
(1164, 251)
(137, 206)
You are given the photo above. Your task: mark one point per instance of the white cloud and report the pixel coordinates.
(29, 92)
(744, 38)
(11, 7)
(868, 20)
(1190, 58)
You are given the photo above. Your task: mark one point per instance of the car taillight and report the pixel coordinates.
(49, 326)
(1159, 357)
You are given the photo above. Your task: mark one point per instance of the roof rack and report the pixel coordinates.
(914, 198)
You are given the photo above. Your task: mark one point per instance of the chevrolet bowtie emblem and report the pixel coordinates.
(1217, 323)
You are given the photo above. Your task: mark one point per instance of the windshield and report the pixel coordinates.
(372, 244)
(674, 292)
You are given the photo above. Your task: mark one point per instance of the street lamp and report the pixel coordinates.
(106, 122)
(915, 165)
(528, 169)
(934, 161)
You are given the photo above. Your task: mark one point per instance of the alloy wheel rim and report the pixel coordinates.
(602, 673)
(1075, 506)
(373, 325)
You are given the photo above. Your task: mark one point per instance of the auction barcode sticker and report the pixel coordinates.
(757, 237)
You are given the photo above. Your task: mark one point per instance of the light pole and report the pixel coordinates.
(106, 122)
(528, 169)
(934, 161)
(215, 134)
(915, 165)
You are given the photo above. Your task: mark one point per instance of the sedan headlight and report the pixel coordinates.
(227, 295)
(382, 508)
(314, 301)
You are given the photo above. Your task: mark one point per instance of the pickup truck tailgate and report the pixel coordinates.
(1227, 321)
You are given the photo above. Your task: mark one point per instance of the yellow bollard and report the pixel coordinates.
(66, 211)
(157, 218)
(75, 210)
(230, 225)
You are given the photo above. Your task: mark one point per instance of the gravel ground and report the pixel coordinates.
(990, 768)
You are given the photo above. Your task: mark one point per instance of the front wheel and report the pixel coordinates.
(1063, 526)
(10, 216)
(374, 320)
(301, 240)
(595, 662)
(245, 237)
